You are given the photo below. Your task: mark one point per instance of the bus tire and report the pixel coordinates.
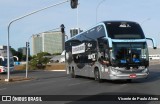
(129, 80)
(73, 75)
(97, 76)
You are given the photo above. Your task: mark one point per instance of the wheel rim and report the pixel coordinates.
(96, 75)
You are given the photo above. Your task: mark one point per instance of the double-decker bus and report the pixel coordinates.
(112, 50)
(3, 60)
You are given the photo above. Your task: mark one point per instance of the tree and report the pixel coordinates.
(13, 51)
(57, 54)
(39, 61)
(16, 53)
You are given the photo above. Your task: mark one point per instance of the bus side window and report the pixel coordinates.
(76, 58)
(101, 47)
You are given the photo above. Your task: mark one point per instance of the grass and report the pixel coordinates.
(53, 66)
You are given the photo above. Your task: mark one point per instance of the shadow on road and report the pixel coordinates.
(153, 76)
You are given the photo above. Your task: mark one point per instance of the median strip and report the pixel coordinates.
(15, 79)
(57, 70)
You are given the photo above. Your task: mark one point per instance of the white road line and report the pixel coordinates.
(79, 83)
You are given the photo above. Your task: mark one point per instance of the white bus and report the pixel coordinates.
(110, 50)
(3, 60)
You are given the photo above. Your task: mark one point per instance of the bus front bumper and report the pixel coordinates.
(5, 69)
(129, 76)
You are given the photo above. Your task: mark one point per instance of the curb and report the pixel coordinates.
(58, 70)
(16, 79)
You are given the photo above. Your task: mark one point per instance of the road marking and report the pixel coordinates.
(79, 83)
(3, 89)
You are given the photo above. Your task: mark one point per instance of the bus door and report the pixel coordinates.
(104, 55)
(91, 56)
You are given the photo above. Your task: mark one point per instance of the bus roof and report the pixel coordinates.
(103, 23)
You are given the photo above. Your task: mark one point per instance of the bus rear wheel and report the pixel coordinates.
(73, 74)
(97, 76)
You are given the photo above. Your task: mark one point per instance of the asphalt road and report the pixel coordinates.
(58, 83)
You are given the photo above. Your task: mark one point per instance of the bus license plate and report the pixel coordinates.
(132, 76)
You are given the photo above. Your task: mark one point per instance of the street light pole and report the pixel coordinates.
(78, 16)
(27, 55)
(27, 47)
(8, 39)
(67, 37)
(97, 8)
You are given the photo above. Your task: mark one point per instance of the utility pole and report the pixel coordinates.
(97, 9)
(63, 36)
(73, 6)
(27, 54)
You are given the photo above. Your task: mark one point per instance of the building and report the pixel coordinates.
(3, 51)
(36, 44)
(51, 42)
(75, 31)
(23, 50)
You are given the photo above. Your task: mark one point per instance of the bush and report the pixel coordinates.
(39, 61)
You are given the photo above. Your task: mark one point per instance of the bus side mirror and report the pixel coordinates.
(154, 42)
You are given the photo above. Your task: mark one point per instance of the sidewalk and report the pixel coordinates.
(154, 62)
(21, 78)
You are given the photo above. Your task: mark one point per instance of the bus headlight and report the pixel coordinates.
(115, 70)
(145, 70)
(141, 67)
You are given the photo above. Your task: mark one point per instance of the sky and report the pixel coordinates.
(145, 12)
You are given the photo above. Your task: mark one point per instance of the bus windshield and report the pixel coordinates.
(124, 30)
(127, 53)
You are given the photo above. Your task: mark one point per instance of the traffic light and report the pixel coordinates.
(27, 44)
(62, 28)
(74, 4)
